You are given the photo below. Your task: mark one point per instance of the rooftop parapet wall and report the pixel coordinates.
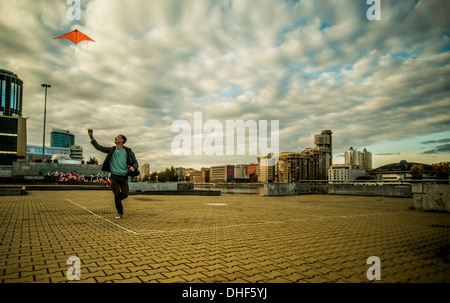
(285, 189)
(431, 197)
(37, 169)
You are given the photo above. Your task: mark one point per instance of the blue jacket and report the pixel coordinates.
(131, 158)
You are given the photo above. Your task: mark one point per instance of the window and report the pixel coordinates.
(13, 96)
(8, 143)
(3, 92)
(8, 126)
(19, 99)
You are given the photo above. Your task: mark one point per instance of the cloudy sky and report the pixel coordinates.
(382, 85)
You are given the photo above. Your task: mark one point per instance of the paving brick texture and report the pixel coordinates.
(229, 238)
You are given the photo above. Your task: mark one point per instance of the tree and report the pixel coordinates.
(442, 169)
(167, 175)
(153, 176)
(416, 171)
(92, 160)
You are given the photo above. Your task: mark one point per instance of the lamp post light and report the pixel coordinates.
(45, 115)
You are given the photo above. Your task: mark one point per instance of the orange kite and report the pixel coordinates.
(75, 36)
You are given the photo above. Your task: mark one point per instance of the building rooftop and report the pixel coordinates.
(4, 71)
(402, 166)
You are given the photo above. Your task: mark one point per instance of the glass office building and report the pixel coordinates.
(11, 94)
(62, 138)
(34, 152)
(13, 128)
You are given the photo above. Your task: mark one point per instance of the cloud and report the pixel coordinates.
(445, 148)
(386, 154)
(446, 140)
(311, 65)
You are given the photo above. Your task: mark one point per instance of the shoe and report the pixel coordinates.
(119, 216)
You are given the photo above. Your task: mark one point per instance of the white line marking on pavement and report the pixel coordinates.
(258, 223)
(222, 227)
(107, 220)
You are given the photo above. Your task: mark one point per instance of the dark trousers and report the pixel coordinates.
(119, 186)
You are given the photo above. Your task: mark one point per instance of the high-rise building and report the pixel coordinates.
(62, 138)
(361, 159)
(145, 170)
(288, 167)
(320, 157)
(13, 128)
(266, 164)
(320, 161)
(350, 156)
(366, 160)
(324, 140)
(324, 147)
(311, 164)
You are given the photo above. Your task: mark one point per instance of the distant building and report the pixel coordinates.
(188, 171)
(62, 145)
(200, 176)
(252, 170)
(180, 171)
(362, 159)
(311, 164)
(62, 138)
(145, 170)
(350, 156)
(365, 160)
(76, 152)
(339, 173)
(63, 159)
(34, 152)
(222, 173)
(321, 156)
(324, 140)
(266, 164)
(240, 171)
(195, 176)
(291, 167)
(319, 162)
(206, 174)
(401, 171)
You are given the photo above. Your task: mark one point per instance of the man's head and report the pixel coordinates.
(120, 139)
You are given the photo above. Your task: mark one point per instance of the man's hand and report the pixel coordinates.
(131, 168)
(90, 133)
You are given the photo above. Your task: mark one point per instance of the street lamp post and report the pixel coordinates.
(45, 115)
